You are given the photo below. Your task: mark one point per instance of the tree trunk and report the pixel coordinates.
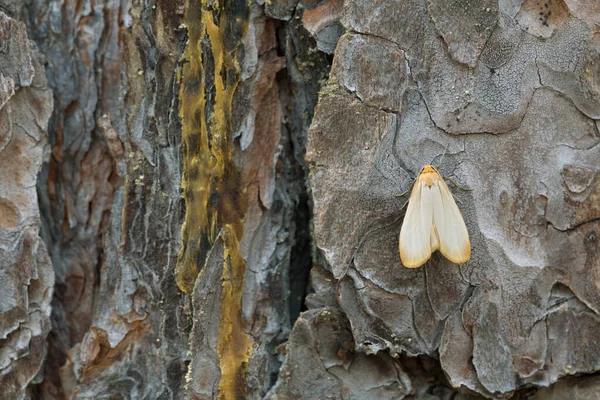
(185, 192)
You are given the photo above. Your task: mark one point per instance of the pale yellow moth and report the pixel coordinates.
(432, 221)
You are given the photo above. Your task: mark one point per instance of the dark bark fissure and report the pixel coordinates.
(301, 259)
(299, 97)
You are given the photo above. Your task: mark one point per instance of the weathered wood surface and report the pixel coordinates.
(173, 205)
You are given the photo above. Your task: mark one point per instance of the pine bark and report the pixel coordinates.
(171, 172)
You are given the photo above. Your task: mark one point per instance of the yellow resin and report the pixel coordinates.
(215, 202)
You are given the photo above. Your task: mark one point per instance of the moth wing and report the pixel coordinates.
(417, 228)
(449, 224)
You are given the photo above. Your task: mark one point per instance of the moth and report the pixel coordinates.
(432, 222)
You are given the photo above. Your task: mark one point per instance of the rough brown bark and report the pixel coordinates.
(168, 142)
(26, 276)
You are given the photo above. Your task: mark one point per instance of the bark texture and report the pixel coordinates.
(505, 96)
(171, 147)
(110, 195)
(26, 276)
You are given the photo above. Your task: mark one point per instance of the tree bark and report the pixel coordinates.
(185, 192)
(26, 276)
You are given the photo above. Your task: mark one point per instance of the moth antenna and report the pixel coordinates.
(441, 158)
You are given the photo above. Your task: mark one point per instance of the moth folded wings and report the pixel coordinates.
(432, 221)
